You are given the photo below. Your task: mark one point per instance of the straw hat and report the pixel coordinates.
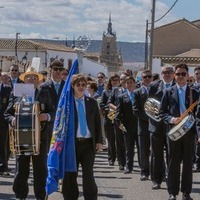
(31, 71)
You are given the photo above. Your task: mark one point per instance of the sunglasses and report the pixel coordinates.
(189, 81)
(58, 69)
(14, 70)
(100, 77)
(167, 72)
(147, 76)
(31, 77)
(80, 84)
(181, 74)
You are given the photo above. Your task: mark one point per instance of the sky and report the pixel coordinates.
(61, 19)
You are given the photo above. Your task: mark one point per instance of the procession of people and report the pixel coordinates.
(137, 119)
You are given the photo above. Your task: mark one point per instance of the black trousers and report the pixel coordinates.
(110, 134)
(20, 185)
(4, 148)
(121, 156)
(144, 147)
(130, 140)
(85, 156)
(158, 164)
(181, 151)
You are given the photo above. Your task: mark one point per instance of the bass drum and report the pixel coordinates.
(182, 128)
(25, 138)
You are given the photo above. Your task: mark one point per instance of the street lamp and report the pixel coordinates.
(24, 61)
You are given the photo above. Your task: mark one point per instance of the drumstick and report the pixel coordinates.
(188, 110)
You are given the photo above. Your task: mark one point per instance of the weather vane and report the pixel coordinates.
(81, 45)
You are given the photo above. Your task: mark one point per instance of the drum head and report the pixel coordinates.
(182, 128)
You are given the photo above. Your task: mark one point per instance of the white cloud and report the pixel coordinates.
(68, 18)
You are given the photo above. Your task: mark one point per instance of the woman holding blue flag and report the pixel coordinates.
(88, 141)
(77, 136)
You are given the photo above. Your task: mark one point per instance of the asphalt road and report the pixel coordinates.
(112, 184)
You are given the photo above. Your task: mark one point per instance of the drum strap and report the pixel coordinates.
(191, 97)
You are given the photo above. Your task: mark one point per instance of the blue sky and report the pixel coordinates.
(63, 19)
(188, 9)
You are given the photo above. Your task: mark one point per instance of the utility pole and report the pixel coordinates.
(152, 35)
(146, 45)
(16, 43)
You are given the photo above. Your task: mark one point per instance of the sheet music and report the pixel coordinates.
(22, 90)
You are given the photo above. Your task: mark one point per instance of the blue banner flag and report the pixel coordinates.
(62, 156)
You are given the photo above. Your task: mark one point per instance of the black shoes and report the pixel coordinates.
(172, 197)
(127, 171)
(197, 169)
(121, 168)
(110, 163)
(4, 171)
(156, 186)
(186, 197)
(19, 199)
(144, 178)
(5, 174)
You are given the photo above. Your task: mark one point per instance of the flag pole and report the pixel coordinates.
(46, 197)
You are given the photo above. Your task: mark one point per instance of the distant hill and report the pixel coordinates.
(131, 51)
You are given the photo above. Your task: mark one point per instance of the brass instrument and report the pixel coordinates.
(151, 108)
(111, 114)
(25, 136)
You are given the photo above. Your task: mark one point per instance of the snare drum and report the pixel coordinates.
(182, 128)
(26, 136)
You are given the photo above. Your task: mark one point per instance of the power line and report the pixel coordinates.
(166, 12)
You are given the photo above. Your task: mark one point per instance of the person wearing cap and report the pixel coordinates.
(54, 86)
(47, 115)
(4, 141)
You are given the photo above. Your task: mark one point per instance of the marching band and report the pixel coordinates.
(160, 118)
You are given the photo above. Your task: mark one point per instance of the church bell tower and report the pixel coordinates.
(109, 53)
